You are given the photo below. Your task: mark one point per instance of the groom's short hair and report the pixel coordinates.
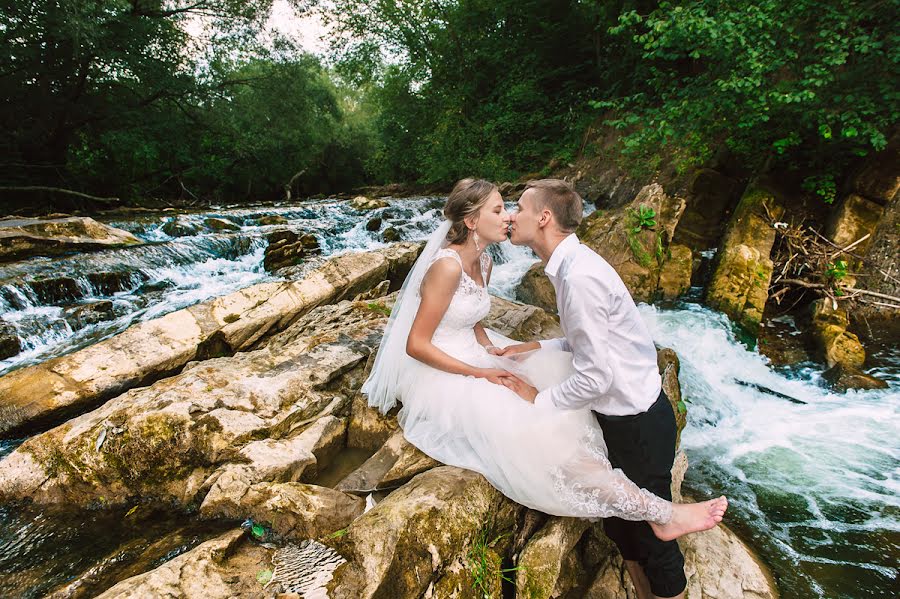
(561, 199)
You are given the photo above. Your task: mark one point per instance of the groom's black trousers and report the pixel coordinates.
(643, 446)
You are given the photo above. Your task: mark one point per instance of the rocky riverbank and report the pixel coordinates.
(249, 434)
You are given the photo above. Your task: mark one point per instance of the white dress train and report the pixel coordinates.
(550, 460)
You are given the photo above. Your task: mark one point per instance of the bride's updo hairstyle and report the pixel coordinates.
(467, 198)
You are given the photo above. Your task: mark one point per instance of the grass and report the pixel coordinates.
(484, 563)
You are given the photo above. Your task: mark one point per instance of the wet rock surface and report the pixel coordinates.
(24, 237)
(740, 280)
(157, 348)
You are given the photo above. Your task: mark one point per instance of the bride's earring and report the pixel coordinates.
(475, 238)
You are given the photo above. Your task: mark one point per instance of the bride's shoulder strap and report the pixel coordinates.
(446, 253)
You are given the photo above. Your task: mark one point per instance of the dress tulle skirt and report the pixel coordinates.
(547, 459)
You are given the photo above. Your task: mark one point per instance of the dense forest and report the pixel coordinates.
(117, 98)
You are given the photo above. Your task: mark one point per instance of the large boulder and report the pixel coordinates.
(740, 280)
(426, 539)
(151, 350)
(542, 560)
(24, 237)
(639, 251)
(536, 289)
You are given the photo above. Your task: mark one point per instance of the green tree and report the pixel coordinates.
(802, 83)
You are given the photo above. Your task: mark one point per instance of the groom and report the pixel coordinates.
(616, 374)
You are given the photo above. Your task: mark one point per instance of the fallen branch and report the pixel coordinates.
(60, 190)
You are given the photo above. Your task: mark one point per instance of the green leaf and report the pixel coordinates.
(263, 577)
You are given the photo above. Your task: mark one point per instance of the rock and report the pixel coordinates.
(841, 378)
(879, 179)
(180, 226)
(520, 321)
(272, 219)
(88, 314)
(392, 465)
(294, 510)
(364, 204)
(10, 344)
(829, 331)
(369, 428)
(56, 290)
(669, 367)
(288, 248)
(536, 289)
(221, 425)
(110, 282)
(719, 564)
(675, 274)
(636, 252)
(222, 568)
(710, 199)
(854, 218)
(740, 282)
(374, 224)
(423, 537)
(150, 350)
(390, 235)
(220, 224)
(24, 237)
(272, 460)
(541, 562)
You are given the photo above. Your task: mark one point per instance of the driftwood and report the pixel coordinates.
(803, 258)
(32, 188)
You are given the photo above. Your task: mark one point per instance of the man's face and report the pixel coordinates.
(524, 220)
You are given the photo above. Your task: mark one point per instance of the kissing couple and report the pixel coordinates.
(577, 426)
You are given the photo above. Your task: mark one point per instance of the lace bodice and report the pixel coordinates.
(470, 303)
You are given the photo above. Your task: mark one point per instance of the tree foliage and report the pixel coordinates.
(801, 83)
(116, 97)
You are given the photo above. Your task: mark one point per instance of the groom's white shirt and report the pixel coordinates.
(613, 353)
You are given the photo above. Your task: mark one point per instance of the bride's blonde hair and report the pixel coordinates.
(467, 198)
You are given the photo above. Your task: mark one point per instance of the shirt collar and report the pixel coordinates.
(565, 247)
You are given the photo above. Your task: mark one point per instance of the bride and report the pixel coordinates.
(444, 367)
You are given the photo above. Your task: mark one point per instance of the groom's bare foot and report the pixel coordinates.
(691, 517)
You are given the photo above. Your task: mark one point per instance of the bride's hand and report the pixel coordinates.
(494, 350)
(494, 375)
(519, 348)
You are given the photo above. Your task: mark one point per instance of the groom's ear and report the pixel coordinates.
(545, 218)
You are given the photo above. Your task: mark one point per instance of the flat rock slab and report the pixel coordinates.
(270, 414)
(25, 237)
(222, 568)
(34, 396)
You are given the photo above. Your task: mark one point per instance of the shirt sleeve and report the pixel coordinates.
(560, 343)
(587, 325)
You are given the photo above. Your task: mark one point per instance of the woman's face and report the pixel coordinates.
(492, 221)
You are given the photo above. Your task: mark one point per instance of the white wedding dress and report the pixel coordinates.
(551, 460)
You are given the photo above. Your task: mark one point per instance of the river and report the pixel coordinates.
(814, 487)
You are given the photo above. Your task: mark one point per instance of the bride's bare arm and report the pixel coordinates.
(437, 289)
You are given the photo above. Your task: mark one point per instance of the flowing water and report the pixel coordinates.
(813, 486)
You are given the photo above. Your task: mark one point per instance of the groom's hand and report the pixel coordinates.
(519, 348)
(521, 388)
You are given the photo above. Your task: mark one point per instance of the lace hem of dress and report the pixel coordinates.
(617, 496)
